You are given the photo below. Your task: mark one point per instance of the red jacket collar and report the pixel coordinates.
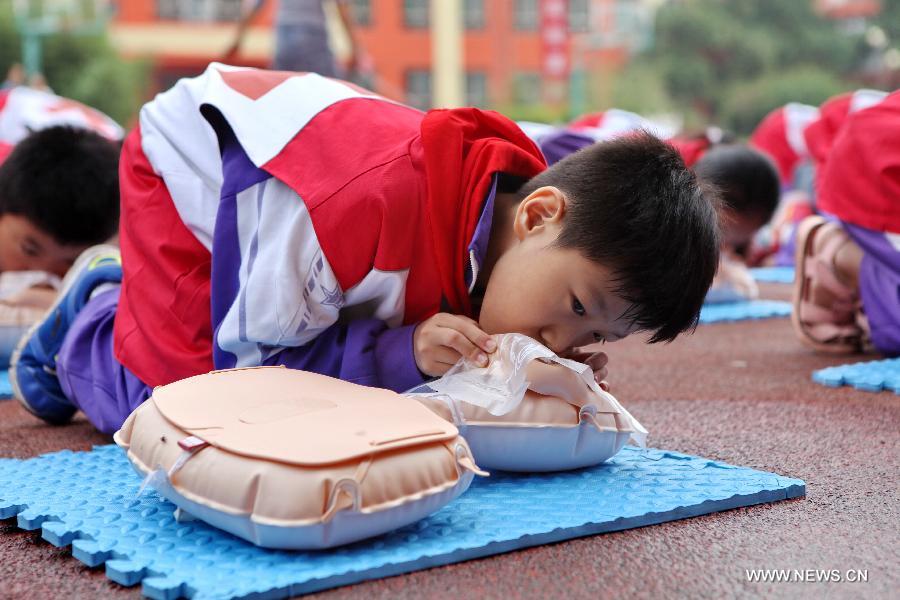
(463, 148)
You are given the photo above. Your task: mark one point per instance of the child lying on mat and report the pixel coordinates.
(750, 191)
(798, 138)
(58, 196)
(847, 289)
(781, 136)
(273, 218)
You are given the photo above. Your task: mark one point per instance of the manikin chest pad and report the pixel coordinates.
(530, 410)
(295, 460)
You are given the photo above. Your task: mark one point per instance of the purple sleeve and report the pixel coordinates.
(365, 351)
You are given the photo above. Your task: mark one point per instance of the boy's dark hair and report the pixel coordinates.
(65, 181)
(746, 179)
(634, 207)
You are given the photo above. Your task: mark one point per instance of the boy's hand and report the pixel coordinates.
(440, 341)
(735, 274)
(597, 361)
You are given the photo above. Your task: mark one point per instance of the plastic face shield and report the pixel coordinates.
(500, 387)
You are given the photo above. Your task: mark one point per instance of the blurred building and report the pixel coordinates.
(503, 45)
(182, 36)
(504, 51)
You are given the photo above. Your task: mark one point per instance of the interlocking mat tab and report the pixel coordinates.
(89, 500)
(773, 274)
(743, 311)
(5, 387)
(872, 376)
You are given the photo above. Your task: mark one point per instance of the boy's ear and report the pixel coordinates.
(545, 206)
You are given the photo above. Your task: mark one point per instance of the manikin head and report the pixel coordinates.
(59, 194)
(616, 238)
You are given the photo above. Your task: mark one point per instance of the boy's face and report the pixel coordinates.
(25, 247)
(554, 295)
(738, 230)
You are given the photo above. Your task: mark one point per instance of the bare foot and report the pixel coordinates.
(847, 262)
(844, 264)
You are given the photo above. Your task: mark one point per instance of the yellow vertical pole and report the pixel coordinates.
(447, 74)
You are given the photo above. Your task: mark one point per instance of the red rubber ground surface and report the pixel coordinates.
(739, 392)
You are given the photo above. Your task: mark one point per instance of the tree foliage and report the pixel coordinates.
(746, 103)
(82, 67)
(731, 62)
(889, 20)
(639, 89)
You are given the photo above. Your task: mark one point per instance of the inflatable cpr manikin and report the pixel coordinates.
(295, 460)
(530, 410)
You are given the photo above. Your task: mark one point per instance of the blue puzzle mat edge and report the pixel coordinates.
(871, 376)
(744, 311)
(5, 386)
(773, 274)
(89, 500)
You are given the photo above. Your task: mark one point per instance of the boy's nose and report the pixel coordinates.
(577, 340)
(546, 340)
(558, 341)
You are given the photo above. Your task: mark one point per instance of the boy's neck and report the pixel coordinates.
(502, 237)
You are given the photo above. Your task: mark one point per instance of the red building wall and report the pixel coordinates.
(498, 50)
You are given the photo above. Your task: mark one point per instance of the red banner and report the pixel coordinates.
(555, 40)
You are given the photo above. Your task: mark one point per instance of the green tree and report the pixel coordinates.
(746, 103)
(10, 44)
(640, 89)
(88, 69)
(797, 33)
(701, 47)
(117, 88)
(82, 67)
(731, 62)
(889, 20)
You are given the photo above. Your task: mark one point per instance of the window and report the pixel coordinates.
(415, 13)
(633, 25)
(476, 88)
(579, 16)
(167, 9)
(473, 14)
(199, 10)
(527, 88)
(526, 15)
(362, 12)
(418, 88)
(624, 18)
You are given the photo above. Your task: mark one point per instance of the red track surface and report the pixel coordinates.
(739, 392)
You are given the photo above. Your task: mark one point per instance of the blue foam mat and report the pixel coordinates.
(5, 386)
(773, 274)
(744, 311)
(872, 376)
(87, 499)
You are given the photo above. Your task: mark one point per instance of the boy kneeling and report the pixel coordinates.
(305, 222)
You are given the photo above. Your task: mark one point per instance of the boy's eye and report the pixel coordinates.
(577, 307)
(599, 337)
(29, 250)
